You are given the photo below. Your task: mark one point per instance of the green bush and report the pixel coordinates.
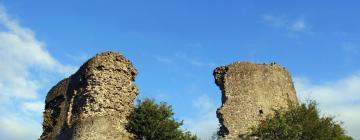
(301, 122)
(151, 121)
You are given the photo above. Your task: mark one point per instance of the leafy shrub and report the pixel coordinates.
(151, 121)
(301, 122)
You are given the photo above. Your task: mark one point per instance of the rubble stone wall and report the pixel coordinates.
(249, 93)
(93, 103)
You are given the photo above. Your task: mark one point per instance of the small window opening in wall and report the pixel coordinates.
(261, 111)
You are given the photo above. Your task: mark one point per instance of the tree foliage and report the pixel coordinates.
(301, 122)
(151, 121)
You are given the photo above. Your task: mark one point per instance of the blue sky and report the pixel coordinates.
(175, 45)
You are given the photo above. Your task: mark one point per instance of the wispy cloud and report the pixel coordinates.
(194, 62)
(340, 98)
(21, 54)
(350, 48)
(183, 58)
(294, 25)
(163, 59)
(79, 58)
(298, 25)
(35, 106)
(19, 127)
(203, 103)
(205, 124)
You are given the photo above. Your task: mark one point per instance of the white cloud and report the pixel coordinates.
(24, 62)
(294, 25)
(205, 124)
(340, 98)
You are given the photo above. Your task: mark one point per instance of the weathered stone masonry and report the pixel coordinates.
(249, 93)
(93, 103)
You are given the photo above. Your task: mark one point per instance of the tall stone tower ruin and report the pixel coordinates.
(249, 93)
(93, 103)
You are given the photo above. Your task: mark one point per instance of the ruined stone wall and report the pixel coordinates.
(93, 103)
(249, 93)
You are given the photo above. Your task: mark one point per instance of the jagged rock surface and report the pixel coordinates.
(93, 103)
(249, 93)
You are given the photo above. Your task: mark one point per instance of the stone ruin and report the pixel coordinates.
(93, 103)
(249, 93)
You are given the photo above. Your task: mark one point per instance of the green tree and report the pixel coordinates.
(301, 122)
(151, 121)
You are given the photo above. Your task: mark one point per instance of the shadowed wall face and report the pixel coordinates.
(94, 103)
(249, 93)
